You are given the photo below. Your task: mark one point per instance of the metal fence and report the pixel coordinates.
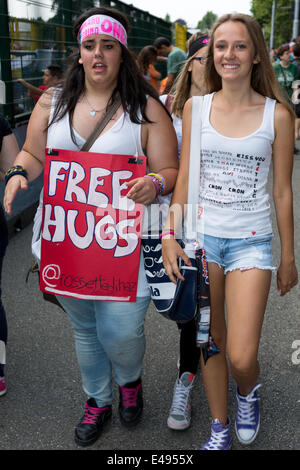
(37, 33)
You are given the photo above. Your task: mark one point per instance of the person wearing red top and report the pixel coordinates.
(51, 78)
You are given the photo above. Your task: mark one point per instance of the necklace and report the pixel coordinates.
(93, 111)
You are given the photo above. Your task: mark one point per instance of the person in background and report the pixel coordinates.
(286, 72)
(51, 78)
(189, 83)
(146, 60)
(175, 60)
(8, 151)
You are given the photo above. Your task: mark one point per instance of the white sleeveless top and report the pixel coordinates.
(234, 174)
(124, 138)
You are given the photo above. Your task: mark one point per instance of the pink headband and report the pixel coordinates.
(102, 24)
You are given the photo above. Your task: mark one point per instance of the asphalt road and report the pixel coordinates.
(44, 400)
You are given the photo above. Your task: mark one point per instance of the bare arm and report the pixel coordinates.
(32, 155)
(160, 144)
(8, 154)
(33, 89)
(171, 250)
(287, 276)
(154, 73)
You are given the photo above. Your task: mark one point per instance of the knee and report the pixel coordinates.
(242, 363)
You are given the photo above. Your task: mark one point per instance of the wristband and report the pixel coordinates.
(155, 182)
(161, 181)
(158, 181)
(15, 170)
(170, 232)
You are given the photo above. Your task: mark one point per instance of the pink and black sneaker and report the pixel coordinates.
(131, 403)
(91, 424)
(3, 388)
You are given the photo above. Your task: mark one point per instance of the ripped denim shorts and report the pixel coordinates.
(240, 253)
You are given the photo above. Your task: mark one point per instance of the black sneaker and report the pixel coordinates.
(91, 424)
(131, 403)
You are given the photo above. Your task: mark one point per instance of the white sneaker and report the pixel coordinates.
(180, 412)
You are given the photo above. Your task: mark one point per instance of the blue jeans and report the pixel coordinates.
(109, 336)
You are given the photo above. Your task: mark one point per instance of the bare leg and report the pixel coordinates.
(215, 371)
(246, 298)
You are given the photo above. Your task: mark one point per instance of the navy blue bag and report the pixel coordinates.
(176, 302)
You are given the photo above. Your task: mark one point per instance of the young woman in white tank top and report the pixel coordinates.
(109, 335)
(246, 123)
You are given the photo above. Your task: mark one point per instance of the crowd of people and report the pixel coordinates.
(244, 113)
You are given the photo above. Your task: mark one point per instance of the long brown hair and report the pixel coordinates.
(183, 83)
(263, 79)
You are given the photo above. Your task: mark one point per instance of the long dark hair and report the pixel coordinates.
(131, 86)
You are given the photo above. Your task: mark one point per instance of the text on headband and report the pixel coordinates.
(102, 24)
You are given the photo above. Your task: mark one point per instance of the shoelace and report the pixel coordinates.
(91, 414)
(246, 409)
(129, 395)
(216, 440)
(181, 396)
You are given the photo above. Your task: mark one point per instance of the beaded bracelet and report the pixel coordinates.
(155, 182)
(158, 181)
(161, 180)
(15, 170)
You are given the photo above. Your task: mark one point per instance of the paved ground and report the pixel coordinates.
(44, 399)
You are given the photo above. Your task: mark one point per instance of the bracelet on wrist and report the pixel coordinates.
(167, 234)
(158, 181)
(15, 170)
(156, 184)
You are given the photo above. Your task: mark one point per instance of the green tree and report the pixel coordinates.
(168, 18)
(207, 21)
(283, 25)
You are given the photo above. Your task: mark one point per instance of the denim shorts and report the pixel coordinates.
(240, 253)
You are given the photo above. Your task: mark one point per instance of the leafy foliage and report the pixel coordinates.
(283, 25)
(207, 21)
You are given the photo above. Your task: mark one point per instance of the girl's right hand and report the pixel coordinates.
(171, 251)
(14, 185)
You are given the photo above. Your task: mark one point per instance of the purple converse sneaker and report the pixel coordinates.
(91, 424)
(247, 419)
(3, 388)
(131, 403)
(220, 438)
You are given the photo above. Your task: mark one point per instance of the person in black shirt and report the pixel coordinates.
(8, 151)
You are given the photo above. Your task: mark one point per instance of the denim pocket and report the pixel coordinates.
(256, 239)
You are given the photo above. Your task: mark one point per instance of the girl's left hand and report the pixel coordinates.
(142, 190)
(287, 277)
